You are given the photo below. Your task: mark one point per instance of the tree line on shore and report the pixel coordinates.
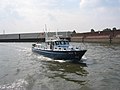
(107, 29)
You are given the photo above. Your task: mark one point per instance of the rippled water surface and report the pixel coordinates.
(21, 69)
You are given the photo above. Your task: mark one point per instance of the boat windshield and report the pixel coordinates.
(61, 43)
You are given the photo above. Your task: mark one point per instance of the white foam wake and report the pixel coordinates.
(20, 84)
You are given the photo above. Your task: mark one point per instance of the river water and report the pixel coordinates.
(21, 69)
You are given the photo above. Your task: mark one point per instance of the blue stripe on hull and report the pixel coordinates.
(64, 55)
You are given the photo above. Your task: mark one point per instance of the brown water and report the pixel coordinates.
(21, 69)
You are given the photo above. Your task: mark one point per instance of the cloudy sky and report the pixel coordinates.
(19, 16)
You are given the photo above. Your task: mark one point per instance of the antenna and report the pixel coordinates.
(57, 33)
(46, 36)
(3, 31)
(66, 34)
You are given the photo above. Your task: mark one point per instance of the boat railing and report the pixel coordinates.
(70, 48)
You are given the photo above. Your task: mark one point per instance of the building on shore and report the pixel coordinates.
(105, 36)
(112, 36)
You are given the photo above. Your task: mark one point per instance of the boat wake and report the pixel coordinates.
(20, 84)
(42, 58)
(61, 61)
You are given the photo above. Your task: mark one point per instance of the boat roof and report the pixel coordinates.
(53, 40)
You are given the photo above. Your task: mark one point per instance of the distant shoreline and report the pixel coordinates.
(90, 37)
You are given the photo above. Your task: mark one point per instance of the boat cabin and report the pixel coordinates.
(57, 44)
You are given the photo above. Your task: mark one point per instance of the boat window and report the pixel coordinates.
(64, 43)
(64, 48)
(56, 43)
(34, 45)
(61, 43)
(67, 42)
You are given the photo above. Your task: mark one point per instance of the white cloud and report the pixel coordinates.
(89, 3)
(103, 13)
(31, 15)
